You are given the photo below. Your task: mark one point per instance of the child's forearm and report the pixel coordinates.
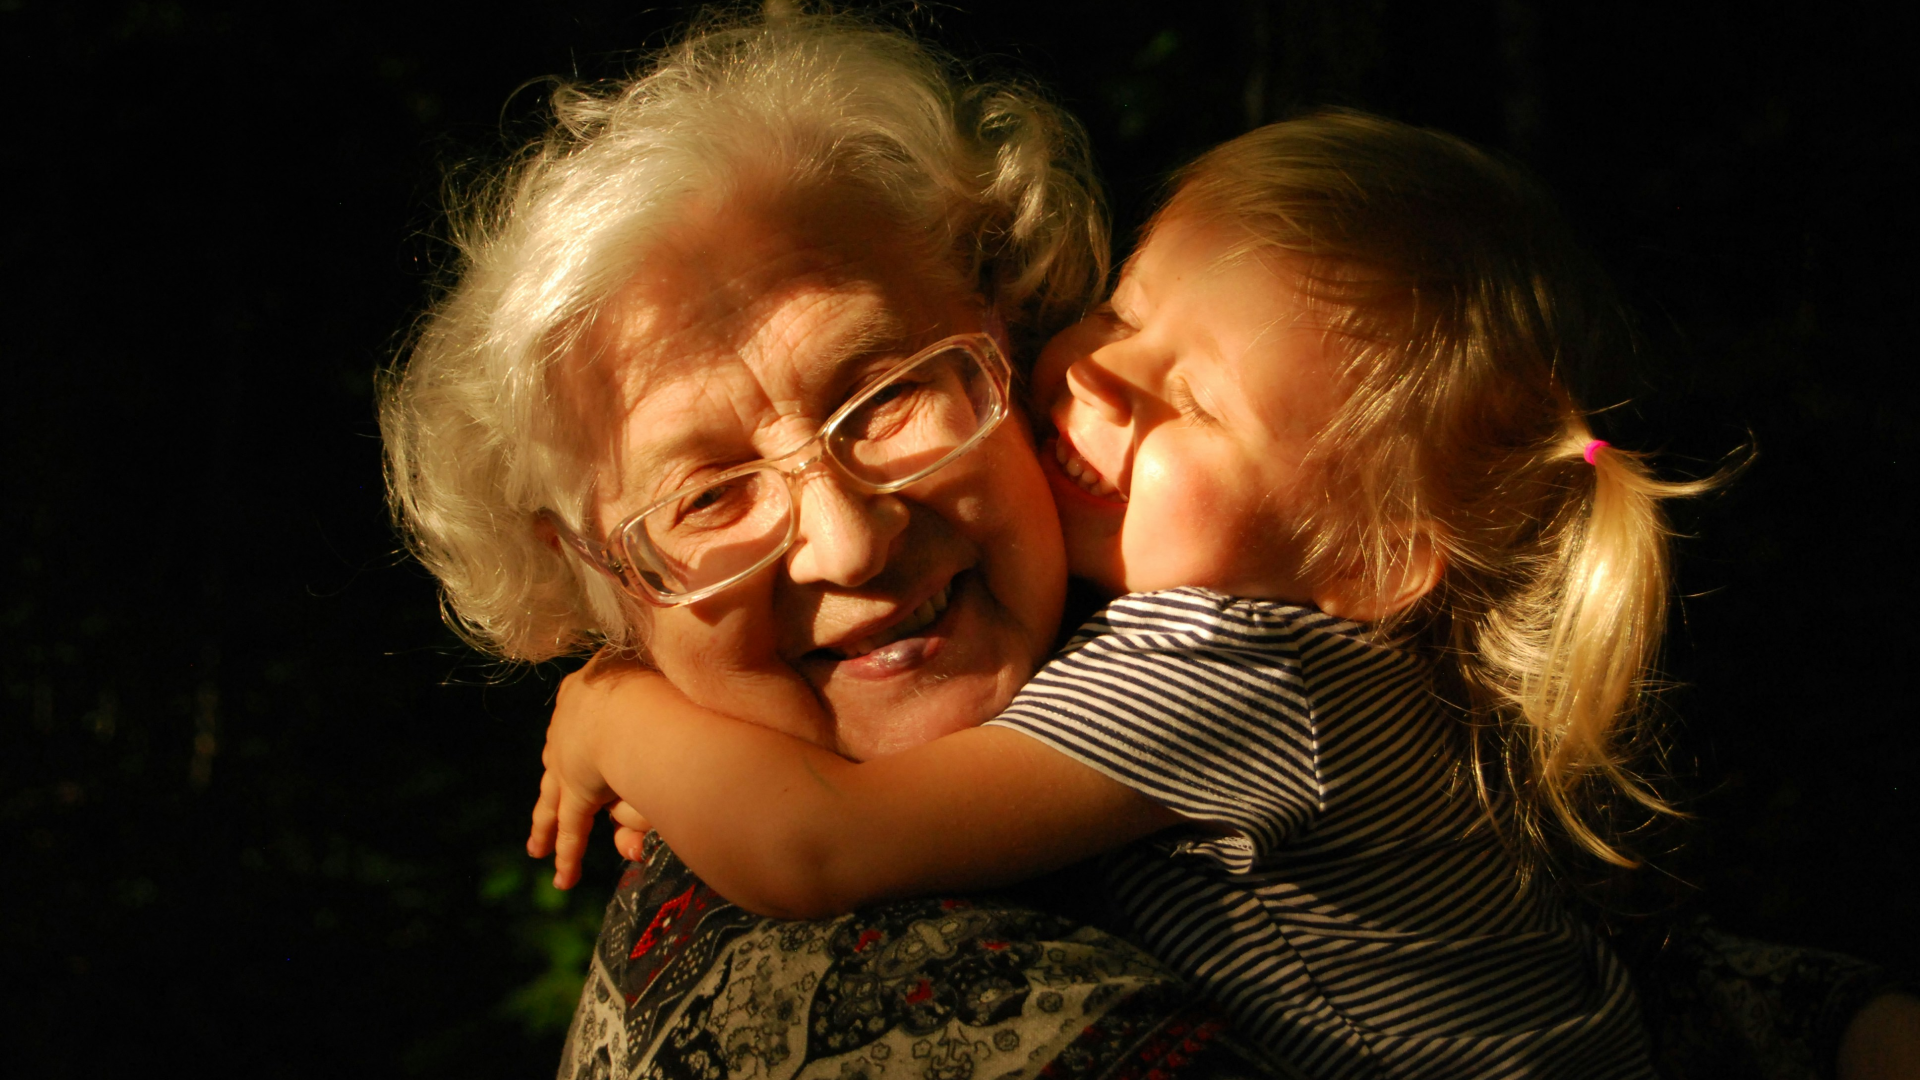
(783, 827)
(738, 802)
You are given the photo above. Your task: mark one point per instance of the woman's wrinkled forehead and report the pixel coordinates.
(741, 324)
(645, 389)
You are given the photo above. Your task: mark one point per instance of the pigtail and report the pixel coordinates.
(1551, 618)
(1570, 650)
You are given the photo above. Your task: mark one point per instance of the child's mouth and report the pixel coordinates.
(1083, 475)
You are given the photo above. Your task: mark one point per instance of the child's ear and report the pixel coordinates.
(1349, 598)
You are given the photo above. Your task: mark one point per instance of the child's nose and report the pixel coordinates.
(1100, 390)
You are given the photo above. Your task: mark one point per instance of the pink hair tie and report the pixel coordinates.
(1593, 447)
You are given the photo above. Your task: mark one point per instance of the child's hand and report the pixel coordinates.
(587, 724)
(562, 820)
(630, 829)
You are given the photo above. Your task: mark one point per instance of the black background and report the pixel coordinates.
(261, 813)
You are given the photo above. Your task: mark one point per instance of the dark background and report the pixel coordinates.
(261, 813)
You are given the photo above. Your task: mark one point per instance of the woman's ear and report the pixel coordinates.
(1348, 597)
(544, 532)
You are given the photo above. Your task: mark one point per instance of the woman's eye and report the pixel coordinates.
(890, 407)
(711, 506)
(888, 394)
(875, 424)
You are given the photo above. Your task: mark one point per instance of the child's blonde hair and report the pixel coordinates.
(1460, 301)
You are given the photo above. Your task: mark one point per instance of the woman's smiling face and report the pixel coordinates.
(1185, 408)
(893, 618)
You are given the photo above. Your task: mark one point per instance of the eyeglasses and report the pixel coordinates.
(926, 413)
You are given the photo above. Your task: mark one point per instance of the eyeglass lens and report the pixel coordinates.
(916, 421)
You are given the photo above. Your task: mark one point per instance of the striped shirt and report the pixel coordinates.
(1346, 902)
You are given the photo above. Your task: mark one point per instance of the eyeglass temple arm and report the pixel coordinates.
(592, 552)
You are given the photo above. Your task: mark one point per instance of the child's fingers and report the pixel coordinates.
(631, 830)
(546, 812)
(625, 815)
(631, 843)
(572, 825)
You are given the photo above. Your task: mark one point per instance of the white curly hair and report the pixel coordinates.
(993, 174)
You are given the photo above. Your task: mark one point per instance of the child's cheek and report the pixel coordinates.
(1196, 517)
(1167, 520)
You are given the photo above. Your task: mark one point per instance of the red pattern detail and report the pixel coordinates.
(994, 946)
(1162, 1057)
(662, 923)
(868, 937)
(920, 993)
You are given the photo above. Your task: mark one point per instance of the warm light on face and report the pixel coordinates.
(918, 417)
(1185, 409)
(895, 612)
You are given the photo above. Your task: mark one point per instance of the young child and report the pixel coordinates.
(1389, 606)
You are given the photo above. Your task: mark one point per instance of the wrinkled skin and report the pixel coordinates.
(745, 327)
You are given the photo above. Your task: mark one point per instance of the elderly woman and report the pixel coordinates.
(695, 299)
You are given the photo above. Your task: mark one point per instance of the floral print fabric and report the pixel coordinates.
(686, 986)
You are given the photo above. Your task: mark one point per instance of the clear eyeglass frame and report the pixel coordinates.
(625, 558)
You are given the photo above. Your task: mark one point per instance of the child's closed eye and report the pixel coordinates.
(1111, 317)
(1180, 395)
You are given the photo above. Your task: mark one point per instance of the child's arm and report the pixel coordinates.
(783, 827)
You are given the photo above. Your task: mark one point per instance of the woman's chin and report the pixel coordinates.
(863, 742)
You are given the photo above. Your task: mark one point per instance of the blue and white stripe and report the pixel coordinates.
(1343, 896)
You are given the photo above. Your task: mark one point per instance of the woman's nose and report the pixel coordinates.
(845, 536)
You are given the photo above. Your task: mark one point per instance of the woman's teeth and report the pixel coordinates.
(1083, 474)
(922, 617)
